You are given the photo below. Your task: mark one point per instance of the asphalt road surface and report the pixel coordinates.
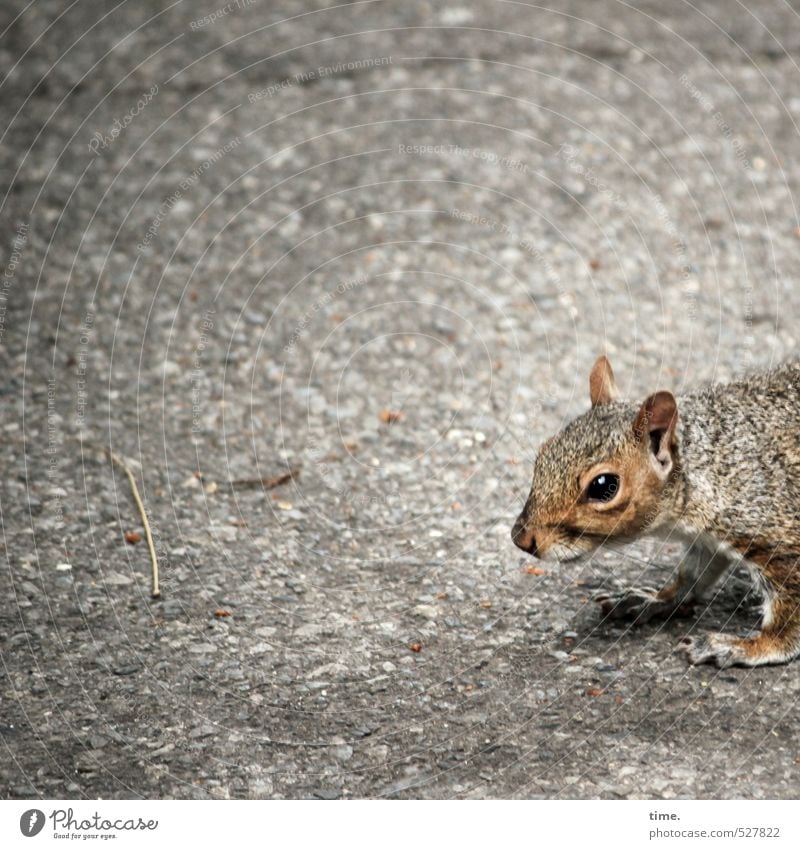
(325, 278)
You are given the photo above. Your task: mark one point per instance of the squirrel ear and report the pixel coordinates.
(655, 426)
(602, 386)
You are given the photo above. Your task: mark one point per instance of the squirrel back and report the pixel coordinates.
(741, 457)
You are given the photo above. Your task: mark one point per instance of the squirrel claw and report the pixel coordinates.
(639, 604)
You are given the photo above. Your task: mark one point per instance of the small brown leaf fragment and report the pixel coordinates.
(441, 596)
(390, 416)
(266, 483)
(277, 480)
(534, 570)
(594, 691)
(486, 605)
(132, 537)
(416, 647)
(222, 614)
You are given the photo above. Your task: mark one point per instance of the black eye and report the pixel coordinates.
(603, 488)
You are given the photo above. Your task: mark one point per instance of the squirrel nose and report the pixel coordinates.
(523, 537)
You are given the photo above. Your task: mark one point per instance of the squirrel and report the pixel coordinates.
(718, 469)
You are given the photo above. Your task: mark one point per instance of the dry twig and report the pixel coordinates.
(138, 499)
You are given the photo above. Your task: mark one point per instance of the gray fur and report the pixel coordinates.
(740, 450)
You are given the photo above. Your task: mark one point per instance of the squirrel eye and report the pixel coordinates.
(603, 488)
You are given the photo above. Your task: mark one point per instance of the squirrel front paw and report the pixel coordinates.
(639, 604)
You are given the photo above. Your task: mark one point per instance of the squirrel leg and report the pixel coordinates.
(701, 567)
(779, 638)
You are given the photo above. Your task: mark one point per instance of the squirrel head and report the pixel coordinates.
(603, 476)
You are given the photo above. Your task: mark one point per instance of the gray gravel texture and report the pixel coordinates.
(380, 244)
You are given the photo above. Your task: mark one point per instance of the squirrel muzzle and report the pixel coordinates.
(523, 536)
